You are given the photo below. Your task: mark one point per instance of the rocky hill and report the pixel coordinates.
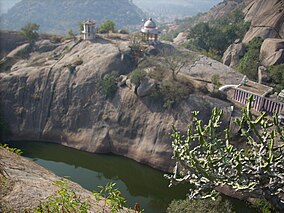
(166, 10)
(267, 19)
(59, 16)
(52, 94)
(267, 22)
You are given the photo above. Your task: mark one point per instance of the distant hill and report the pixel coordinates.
(168, 10)
(56, 16)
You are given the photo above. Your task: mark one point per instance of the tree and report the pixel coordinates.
(107, 85)
(107, 26)
(29, 31)
(277, 75)
(71, 34)
(257, 169)
(174, 61)
(250, 62)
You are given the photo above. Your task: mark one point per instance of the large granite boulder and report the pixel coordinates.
(272, 52)
(267, 19)
(146, 87)
(181, 38)
(20, 51)
(233, 54)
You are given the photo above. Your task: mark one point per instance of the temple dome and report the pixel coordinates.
(150, 23)
(150, 27)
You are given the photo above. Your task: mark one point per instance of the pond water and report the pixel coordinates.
(138, 183)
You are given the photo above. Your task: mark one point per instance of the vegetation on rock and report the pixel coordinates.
(201, 206)
(64, 200)
(216, 36)
(207, 160)
(137, 76)
(250, 62)
(107, 26)
(277, 76)
(30, 32)
(107, 85)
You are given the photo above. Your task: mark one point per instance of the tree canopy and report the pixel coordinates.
(107, 26)
(30, 31)
(217, 35)
(206, 159)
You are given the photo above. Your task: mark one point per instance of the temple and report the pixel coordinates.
(150, 31)
(89, 32)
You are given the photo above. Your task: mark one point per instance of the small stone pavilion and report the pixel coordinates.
(150, 31)
(89, 32)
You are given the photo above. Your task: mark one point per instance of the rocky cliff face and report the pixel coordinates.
(223, 8)
(42, 99)
(267, 19)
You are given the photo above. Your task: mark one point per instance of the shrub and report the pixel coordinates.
(215, 79)
(200, 206)
(137, 76)
(263, 206)
(107, 26)
(172, 92)
(107, 85)
(277, 75)
(250, 62)
(14, 150)
(29, 31)
(64, 200)
(112, 197)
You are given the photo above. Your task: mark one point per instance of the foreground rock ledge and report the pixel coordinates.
(28, 183)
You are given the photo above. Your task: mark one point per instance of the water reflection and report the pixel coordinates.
(138, 183)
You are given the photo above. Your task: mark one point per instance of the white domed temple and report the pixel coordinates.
(150, 31)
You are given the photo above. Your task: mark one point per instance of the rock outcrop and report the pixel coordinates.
(42, 99)
(267, 19)
(25, 184)
(223, 8)
(233, 54)
(272, 52)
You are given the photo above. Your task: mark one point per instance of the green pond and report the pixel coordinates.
(138, 183)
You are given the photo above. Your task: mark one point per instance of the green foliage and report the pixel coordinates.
(200, 206)
(71, 34)
(137, 76)
(107, 26)
(277, 75)
(14, 150)
(81, 26)
(29, 31)
(215, 79)
(64, 200)
(214, 161)
(218, 35)
(174, 60)
(107, 85)
(111, 196)
(172, 92)
(250, 62)
(263, 206)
